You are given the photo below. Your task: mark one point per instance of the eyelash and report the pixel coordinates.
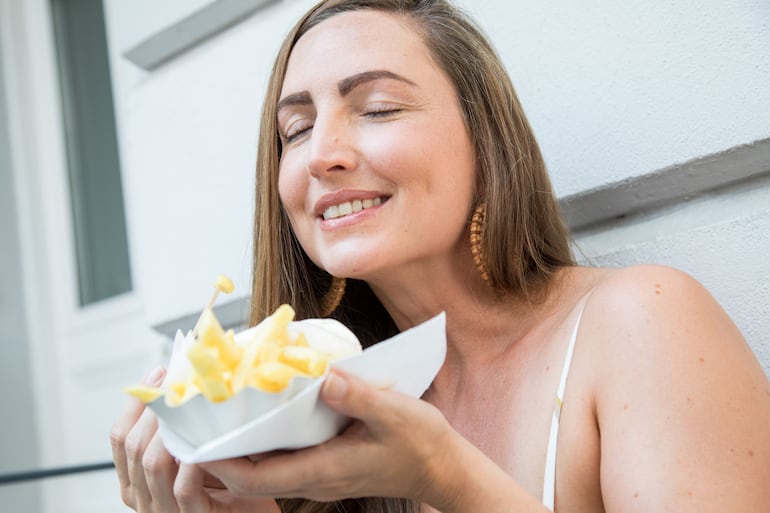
(293, 134)
(381, 112)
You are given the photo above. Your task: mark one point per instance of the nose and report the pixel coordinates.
(332, 147)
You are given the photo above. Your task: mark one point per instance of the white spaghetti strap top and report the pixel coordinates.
(549, 480)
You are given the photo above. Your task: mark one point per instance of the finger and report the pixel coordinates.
(379, 409)
(284, 475)
(160, 470)
(121, 428)
(118, 435)
(195, 496)
(232, 470)
(243, 477)
(137, 441)
(189, 490)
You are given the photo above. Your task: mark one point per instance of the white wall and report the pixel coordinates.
(188, 137)
(613, 89)
(617, 89)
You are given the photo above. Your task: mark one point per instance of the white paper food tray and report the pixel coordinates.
(254, 421)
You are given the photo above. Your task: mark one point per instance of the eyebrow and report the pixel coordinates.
(348, 84)
(345, 86)
(302, 98)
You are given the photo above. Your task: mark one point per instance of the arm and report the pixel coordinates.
(398, 447)
(683, 406)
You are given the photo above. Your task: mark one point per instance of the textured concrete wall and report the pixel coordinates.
(619, 89)
(721, 238)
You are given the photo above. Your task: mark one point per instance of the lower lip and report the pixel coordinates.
(350, 219)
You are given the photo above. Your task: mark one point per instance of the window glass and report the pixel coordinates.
(92, 150)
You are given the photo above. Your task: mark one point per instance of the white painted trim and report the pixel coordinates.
(672, 184)
(190, 31)
(37, 161)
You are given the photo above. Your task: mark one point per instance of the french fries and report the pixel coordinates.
(266, 357)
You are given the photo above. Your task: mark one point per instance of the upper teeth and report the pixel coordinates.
(349, 207)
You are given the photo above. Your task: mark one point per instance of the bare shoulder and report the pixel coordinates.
(678, 395)
(652, 299)
(649, 318)
(643, 286)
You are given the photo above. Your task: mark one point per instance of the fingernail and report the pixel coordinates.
(335, 387)
(154, 376)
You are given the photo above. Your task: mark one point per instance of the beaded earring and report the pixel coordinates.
(333, 296)
(477, 249)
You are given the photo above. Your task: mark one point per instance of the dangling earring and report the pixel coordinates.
(477, 249)
(333, 296)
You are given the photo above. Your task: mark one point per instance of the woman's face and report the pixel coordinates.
(377, 169)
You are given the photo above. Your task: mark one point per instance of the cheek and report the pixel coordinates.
(292, 192)
(435, 158)
(291, 189)
(399, 154)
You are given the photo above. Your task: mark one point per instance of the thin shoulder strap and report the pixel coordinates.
(549, 480)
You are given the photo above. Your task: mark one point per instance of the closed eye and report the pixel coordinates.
(382, 111)
(297, 130)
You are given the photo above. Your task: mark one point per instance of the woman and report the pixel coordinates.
(397, 178)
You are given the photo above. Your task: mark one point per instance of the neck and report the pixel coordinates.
(481, 324)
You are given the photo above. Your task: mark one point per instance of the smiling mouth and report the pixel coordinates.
(351, 207)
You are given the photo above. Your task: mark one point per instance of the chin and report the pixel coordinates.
(344, 270)
(348, 260)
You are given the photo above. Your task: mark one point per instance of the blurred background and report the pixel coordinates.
(128, 134)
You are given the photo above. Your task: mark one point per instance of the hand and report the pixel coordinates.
(151, 481)
(396, 446)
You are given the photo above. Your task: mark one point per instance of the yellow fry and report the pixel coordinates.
(176, 393)
(215, 389)
(211, 335)
(272, 328)
(269, 351)
(205, 361)
(279, 323)
(144, 393)
(224, 284)
(272, 376)
(211, 373)
(301, 341)
(306, 359)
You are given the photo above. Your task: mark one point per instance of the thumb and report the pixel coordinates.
(355, 398)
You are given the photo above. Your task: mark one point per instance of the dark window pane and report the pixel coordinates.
(92, 150)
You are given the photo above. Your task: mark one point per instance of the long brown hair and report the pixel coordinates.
(525, 238)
